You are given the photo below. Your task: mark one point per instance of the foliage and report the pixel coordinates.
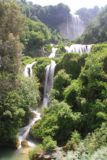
(14, 109)
(72, 93)
(92, 147)
(58, 122)
(37, 150)
(87, 15)
(100, 154)
(74, 141)
(39, 71)
(11, 112)
(50, 15)
(35, 37)
(27, 60)
(49, 144)
(28, 89)
(72, 64)
(61, 81)
(96, 32)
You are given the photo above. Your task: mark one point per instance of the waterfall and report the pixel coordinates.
(24, 132)
(28, 69)
(49, 77)
(48, 81)
(77, 27)
(72, 28)
(78, 48)
(52, 55)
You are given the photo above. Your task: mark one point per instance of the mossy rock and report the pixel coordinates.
(24, 143)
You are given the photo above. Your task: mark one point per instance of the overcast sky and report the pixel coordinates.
(73, 4)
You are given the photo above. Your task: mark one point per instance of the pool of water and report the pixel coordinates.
(10, 154)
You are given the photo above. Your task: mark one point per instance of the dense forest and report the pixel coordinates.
(98, 28)
(71, 122)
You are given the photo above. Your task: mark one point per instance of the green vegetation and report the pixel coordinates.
(17, 94)
(61, 122)
(50, 15)
(81, 106)
(87, 15)
(96, 32)
(35, 37)
(10, 47)
(76, 119)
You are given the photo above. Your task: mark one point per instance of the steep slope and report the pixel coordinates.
(96, 32)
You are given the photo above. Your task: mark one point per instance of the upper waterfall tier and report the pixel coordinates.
(72, 28)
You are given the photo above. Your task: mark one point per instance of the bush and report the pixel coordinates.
(73, 143)
(58, 122)
(35, 151)
(61, 81)
(49, 144)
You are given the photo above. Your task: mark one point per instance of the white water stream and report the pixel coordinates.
(72, 28)
(49, 77)
(48, 81)
(78, 48)
(24, 132)
(28, 70)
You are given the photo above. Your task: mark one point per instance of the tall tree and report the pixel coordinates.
(11, 25)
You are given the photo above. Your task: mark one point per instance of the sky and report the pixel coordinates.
(74, 5)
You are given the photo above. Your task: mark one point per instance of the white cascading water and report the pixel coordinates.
(78, 48)
(48, 81)
(52, 55)
(77, 27)
(49, 77)
(24, 132)
(28, 70)
(72, 28)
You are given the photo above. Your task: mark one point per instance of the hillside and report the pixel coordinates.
(53, 92)
(96, 32)
(60, 19)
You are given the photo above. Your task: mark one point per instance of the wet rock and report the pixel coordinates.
(42, 157)
(47, 157)
(24, 143)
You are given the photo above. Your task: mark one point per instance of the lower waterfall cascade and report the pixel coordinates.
(24, 132)
(49, 74)
(48, 81)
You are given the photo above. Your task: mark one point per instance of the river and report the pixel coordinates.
(11, 154)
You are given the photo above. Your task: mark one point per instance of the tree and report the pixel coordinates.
(58, 122)
(96, 31)
(61, 81)
(11, 27)
(35, 37)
